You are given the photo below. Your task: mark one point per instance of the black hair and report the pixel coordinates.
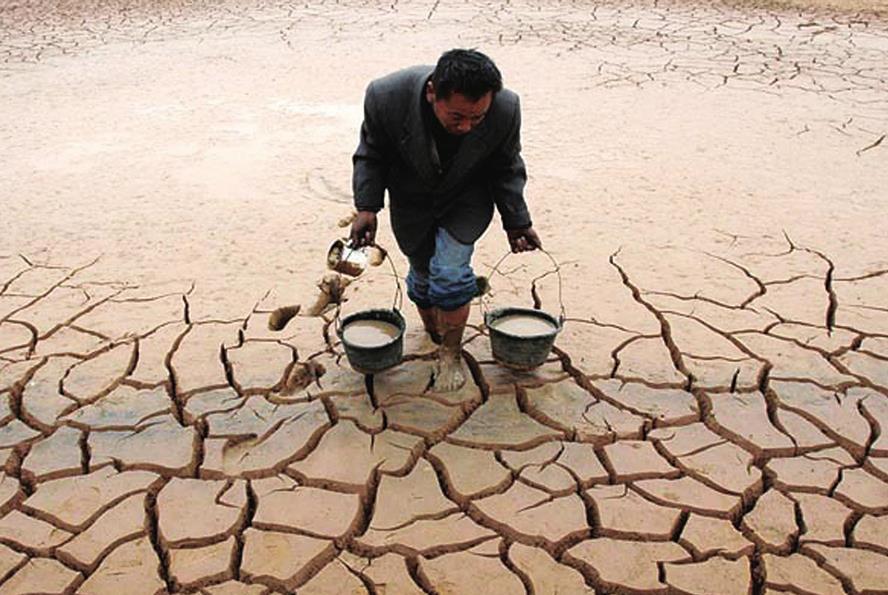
(468, 72)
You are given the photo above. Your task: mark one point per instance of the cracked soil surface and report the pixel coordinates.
(712, 419)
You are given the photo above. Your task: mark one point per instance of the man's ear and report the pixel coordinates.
(430, 92)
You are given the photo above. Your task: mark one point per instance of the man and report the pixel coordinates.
(445, 143)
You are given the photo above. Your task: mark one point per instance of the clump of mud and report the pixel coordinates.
(302, 375)
(332, 286)
(347, 220)
(331, 293)
(280, 317)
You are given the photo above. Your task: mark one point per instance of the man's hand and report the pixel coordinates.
(522, 240)
(363, 230)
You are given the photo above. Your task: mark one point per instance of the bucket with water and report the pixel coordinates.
(374, 339)
(522, 338)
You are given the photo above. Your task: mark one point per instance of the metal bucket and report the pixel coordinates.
(520, 352)
(524, 352)
(370, 360)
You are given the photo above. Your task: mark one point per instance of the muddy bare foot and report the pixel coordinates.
(449, 375)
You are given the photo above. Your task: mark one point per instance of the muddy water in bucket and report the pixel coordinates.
(374, 339)
(370, 333)
(522, 325)
(522, 338)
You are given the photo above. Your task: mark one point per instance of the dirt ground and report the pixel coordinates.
(711, 179)
(878, 7)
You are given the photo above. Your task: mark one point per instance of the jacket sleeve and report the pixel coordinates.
(370, 162)
(508, 177)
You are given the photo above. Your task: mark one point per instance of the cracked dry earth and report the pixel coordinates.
(712, 417)
(190, 455)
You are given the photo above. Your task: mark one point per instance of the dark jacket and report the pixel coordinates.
(395, 154)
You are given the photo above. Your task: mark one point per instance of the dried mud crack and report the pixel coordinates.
(554, 476)
(713, 413)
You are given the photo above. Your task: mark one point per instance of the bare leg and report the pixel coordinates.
(430, 322)
(449, 374)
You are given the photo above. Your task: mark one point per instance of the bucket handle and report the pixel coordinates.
(397, 301)
(562, 317)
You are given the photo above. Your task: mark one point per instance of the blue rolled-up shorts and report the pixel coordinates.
(442, 276)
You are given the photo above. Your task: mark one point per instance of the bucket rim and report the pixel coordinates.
(497, 313)
(391, 315)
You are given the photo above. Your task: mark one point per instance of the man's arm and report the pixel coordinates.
(507, 184)
(368, 176)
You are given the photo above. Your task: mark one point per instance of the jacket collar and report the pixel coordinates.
(416, 141)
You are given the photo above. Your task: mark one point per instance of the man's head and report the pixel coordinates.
(461, 89)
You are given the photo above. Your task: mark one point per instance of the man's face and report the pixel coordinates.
(458, 114)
